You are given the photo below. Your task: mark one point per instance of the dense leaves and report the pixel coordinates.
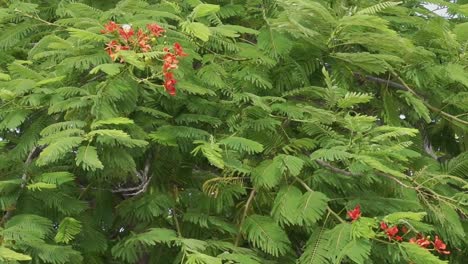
(259, 131)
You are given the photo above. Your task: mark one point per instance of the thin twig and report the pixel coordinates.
(37, 18)
(174, 213)
(244, 215)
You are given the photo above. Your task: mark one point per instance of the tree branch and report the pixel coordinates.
(144, 181)
(335, 169)
(244, 215)
(24, 180)
(403, 86)
(348, 173)
(380, 81)
(174, 212)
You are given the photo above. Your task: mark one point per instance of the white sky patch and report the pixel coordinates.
(439, 10)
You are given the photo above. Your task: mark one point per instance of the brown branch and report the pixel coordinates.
(380, 81)
(24, 180)
(335, 169)
(403, 86)
(420, 189)
(144, 181)
(174, 212)
(348, 173)
(244, 215)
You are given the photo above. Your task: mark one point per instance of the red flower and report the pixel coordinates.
(179, 51)
(169, 83)
(404, 229)
(440, 246)
(155, 29)
(398, 238)
(113, 47)
(355, 213)
(110, 48)
(421, 241)
(126, 32)
(142, 38)
(110, 27)
(391, 232)
(383, 225)
(170, 62)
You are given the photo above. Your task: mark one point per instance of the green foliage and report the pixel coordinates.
(67, 230)
(287, 115)
(262, 232)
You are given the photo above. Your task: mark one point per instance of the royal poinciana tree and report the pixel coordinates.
(248, 131)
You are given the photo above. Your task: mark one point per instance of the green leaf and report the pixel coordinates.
(338, 239)
(57, 177)
(7, 254)
(202, 10)
(87, 35)
(197, 29)
(194, 89)
(312, 206)
(285, 208)
(115, 137)
(419, 255)
(51, 80)
(129, 56)
(265, 234)
(110, 69)
(211, 151)
(88, 159)
(268, 174)
(58, 150)
(396, 217)
(357, 250)
(41, 185)
(127, 249)
(373, 63)
(242, 144)
(13, 119)
(291, 164)
(316, 248)
(112, 121)
(353, 98)
(417, 104)
(375, 164)
(457, 73)
(67, 230)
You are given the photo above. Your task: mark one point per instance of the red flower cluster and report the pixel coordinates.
(155, 29)
(355, 214)
(421, 241)
(392, 234)
(171, 62)
(110, 27)
(424, 242)
(126, 40)
(113, 47)
(391, 231)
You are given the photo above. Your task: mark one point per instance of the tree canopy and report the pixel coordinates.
(247, 131)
